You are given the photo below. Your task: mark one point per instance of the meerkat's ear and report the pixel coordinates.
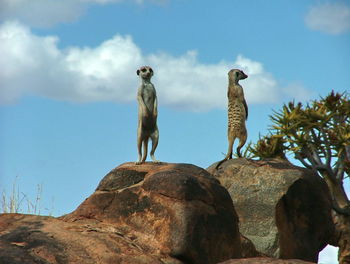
(138, 72)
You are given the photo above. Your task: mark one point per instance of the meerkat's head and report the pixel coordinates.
(236, 75)
(145, 72)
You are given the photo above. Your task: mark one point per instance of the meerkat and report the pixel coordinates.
(147, 115)
(237, 113)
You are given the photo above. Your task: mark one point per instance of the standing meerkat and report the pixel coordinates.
(147, 114)
(237, 113)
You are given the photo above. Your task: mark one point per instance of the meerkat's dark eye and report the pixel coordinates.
(151, 70)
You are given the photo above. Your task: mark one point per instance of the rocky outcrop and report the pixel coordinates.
(180, 214)
(283, 209)
(150, 213)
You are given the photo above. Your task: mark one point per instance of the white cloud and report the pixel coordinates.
(41, 13)
(298, 92)
(331, 18)
(33, 64)
(185, 82)
(46, 13)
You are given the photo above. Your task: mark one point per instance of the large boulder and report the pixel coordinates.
(283, 209)
(149, 213)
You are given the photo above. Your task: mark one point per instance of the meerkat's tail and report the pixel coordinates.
(221, 161)
(239, 152)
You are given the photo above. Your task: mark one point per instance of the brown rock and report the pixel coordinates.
(150, 213)
(29, 239)
(283, 209)
(248, 249)
(265, 261)
(341, 237)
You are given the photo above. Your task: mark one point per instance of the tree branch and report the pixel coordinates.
(298, 157)
(347, 152)
(344, 211)
(309, 157)
(340, 168)
(315, 155)
(318, 166)
(328, 155)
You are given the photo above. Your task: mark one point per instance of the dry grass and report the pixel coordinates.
(19, 202)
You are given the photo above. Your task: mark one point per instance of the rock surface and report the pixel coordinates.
(342, 237)
(265, 261)
(29, 239)
(283, 209)
(248, 249)
(150, 213)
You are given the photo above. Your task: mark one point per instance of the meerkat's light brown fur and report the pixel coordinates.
(147, 116)
(237, 113)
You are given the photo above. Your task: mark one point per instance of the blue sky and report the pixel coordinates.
(68, 82)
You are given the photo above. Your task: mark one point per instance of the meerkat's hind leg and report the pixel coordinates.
(155, 138)
(242, 141)
(231, 140)
(139, 147)
(145, 147)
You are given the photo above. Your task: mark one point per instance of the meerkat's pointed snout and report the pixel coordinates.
(244, 75)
